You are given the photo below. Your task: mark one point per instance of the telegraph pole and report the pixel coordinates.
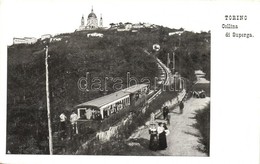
(168, 60)
(180, 83)
(173, 62)
(48, 103)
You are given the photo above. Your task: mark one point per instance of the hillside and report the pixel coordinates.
(108, 59)
(192, 52)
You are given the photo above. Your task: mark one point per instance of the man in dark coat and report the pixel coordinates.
(98, 116)
(181, 105)
(165, 112)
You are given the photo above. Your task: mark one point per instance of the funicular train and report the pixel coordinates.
(103, 107)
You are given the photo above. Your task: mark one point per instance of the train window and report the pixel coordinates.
(137, 96)
(96, 115)
(81, 112)
(106, 112)
(120, 107)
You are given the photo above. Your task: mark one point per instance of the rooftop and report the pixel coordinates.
(199, 72)
(202, 81)
(101, 101)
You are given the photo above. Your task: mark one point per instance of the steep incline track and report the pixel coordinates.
(166, 72)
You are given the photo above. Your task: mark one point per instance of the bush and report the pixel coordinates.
(203, 125)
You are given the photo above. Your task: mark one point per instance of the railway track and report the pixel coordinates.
(166, 72)
(166, 80)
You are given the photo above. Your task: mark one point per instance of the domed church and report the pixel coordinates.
(92, 22)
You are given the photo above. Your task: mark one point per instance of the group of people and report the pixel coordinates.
(158, 136)
(73, 124)
(165, 110)
(158, 133)
(198, 94)
(93, 114)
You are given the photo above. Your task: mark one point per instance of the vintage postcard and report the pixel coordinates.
(124, 78)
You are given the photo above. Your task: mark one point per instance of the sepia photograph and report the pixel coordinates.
(129, 85)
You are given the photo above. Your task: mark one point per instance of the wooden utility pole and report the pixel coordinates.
(180, 83)
(168, 60)
(48, 103)
(173, 62)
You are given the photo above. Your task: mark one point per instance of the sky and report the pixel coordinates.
(33, 18)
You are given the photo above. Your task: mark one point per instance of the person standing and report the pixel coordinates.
(63, 119)
(73, 120)
(167, 132)
(181, 106)
(98, 115)
(105, 113)
(153, 145)
(165, 112)
(88, 114)
(162, 137)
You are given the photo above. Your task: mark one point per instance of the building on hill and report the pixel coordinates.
(199, 74)
(25, 40)
(128, 25)
(99, 35)
(138, 26)
(82, 26)
(101, 21)
(148, 25)
(45, 36)
(92, 22)
(201, 84)
(175, 33)
(55, 39)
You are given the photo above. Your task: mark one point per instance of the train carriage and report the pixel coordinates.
(103, 107)
(137, 93)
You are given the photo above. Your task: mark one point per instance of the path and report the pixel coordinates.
(183, 139)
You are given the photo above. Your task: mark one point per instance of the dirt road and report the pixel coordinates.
(183, 138)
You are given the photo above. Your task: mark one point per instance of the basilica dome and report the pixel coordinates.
(92, 15)
(92, 22)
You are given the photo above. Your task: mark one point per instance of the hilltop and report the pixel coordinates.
(71, 57)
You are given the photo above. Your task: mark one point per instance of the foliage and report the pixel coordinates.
(192, 52)
(70, 59)
(203, 125)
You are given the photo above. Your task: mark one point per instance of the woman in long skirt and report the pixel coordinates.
(162, 137)
(153, 138)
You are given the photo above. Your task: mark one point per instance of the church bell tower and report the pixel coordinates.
(101, 21)
(82, 21)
